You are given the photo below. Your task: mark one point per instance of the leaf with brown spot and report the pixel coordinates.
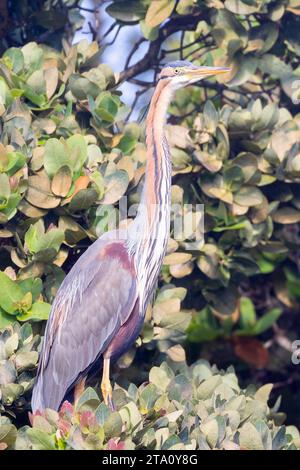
(251, 350)
(29, 210)
(181, 270)
(51, 79)
(81, 183)
(286, 215)
(176, 353)
(62, 181)
(177, 258)
(116, 185)
(39, 192)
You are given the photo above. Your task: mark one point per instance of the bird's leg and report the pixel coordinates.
(79, 389)
(106, 387)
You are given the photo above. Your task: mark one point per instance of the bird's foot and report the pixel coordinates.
(106, 390)
(111, 404)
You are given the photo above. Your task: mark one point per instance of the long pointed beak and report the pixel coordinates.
(207, 71)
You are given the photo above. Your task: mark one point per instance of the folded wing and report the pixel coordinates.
(94, 300)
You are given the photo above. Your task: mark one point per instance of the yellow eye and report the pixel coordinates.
(176, 71)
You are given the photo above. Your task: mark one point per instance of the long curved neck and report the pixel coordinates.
(158, 161)
(150, 229)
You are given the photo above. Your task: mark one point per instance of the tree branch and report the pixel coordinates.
(175, 24)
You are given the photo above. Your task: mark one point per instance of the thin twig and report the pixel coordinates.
(138, 94)
(178, 23)
(115, 36)
(181, 44)
(110, 29)
(138, 82)
(133, 50)
(178, 49)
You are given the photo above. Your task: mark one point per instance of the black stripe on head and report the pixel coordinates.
(163, 77)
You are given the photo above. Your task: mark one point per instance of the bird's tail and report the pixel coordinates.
(47, 393)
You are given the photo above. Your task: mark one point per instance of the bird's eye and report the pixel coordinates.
(177, 71)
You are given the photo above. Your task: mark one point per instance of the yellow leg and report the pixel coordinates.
(106, 387)
(79, 389)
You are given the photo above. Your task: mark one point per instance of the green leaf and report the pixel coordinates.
(210, 116)
(4, 188)
(77, 151)
(8, 434)
(35, 98)
(16, 57)
(265, 266)
(33, 56)
(16, 160)
(247, 313)
(82, 87)
(159, 377)
(240, 7)
(206, 388)
(250, 438)
(4, 92)
(116, 185)
(10, 294)
(149, 33)
(113, 425)
(41, 440)
(147, 398)
(88, 395)
(5, 319)
(35, 286)
(38, 312)
(106, 107)
(203, 327)
(280, 439)
(130, 11)
(26, 360)
(51, 239)
(266, 321)
(31, 237)
(211, 431)
(158, 12)
(84, 199)
(56, 155)
(102, 413)
(37, 240)
(127, 144)
(37, 82)
(248, 196)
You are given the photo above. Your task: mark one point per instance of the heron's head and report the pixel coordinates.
(182, 73)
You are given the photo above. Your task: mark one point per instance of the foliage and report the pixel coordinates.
(18, 300)
(194, 408)
(68, 155)
(51, 184)
(47, 21)
(18, 361)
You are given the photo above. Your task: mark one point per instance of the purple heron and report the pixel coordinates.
(100, 306)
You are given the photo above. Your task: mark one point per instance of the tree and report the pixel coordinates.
(235, 149)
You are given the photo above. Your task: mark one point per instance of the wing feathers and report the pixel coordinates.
(94, 300)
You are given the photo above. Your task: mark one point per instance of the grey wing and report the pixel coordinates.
(94, 300)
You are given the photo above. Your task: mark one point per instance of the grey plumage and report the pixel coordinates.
(80, 326)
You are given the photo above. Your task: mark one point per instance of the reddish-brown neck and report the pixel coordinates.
(157, 150)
